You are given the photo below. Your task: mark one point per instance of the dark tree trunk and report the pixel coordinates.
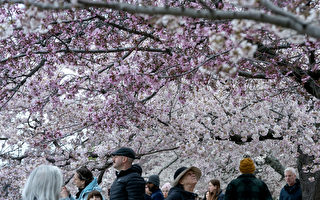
(310, 189)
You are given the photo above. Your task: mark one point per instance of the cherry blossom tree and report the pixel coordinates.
(200, 82)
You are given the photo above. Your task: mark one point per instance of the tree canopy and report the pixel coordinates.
(200, 81)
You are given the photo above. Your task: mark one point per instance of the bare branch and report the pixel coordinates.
(97, 51)
(138, 156)
(250, 75)
(168, 165)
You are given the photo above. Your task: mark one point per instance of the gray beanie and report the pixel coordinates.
(154, 179)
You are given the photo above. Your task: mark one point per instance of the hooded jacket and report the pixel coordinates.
(129, 185)
(85, 192)
(247, 187)
(178, 193)
(291, 192)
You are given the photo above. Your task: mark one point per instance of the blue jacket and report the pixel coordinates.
(129, 185)
(157, 195)
(85, 192)
(291, 192)
(221, 195)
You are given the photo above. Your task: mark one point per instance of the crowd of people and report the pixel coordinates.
(46, 183)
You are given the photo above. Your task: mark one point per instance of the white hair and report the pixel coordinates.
(290, 169)
(44, 183)
(166, 186)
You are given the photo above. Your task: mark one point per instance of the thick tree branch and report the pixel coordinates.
(286, 21)
(250, 75)
(275, 164)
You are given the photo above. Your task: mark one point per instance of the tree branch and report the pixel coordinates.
(15, 89)
(138, 156)
(286, 21)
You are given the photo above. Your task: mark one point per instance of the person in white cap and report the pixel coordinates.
(185, 180)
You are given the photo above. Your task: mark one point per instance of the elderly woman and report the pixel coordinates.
(185, 180)
(44, 182)
(165, 189)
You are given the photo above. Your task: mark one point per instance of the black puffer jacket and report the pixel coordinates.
(129, 185)
(178, 193)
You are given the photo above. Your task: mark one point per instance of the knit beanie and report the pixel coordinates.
(247, 166)
(154, 179)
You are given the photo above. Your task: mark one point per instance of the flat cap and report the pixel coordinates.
(124, 151)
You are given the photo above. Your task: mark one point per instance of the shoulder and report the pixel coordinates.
(157, 195)
(174, 195)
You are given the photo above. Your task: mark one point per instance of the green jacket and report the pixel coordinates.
(247, 187)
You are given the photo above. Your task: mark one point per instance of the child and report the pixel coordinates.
(95, 195)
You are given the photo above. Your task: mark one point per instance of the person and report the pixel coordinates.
(95, 195)
(147, 195)
(128, 185)
(44, 182)
(85, 182)
(247, 186)
(153, 185)
(185, 180)
(292, 190)
(165, 189)
(214, 192)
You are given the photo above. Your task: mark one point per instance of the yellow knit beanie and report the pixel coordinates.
(247, 166)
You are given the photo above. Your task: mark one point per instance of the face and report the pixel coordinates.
(207, 195)
(117, 161)
(150, 186)
(95, 198)
(189, 178)
(290, 178)
(77, 182)
(147, 191)
(212, 188)
(165, 192)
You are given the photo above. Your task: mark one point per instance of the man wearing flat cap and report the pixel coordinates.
(247, 186)
(185, 180)
(129, 185)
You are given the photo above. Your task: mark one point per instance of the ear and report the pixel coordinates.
(124, 159)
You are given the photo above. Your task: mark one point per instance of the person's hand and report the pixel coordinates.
(64, 192)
